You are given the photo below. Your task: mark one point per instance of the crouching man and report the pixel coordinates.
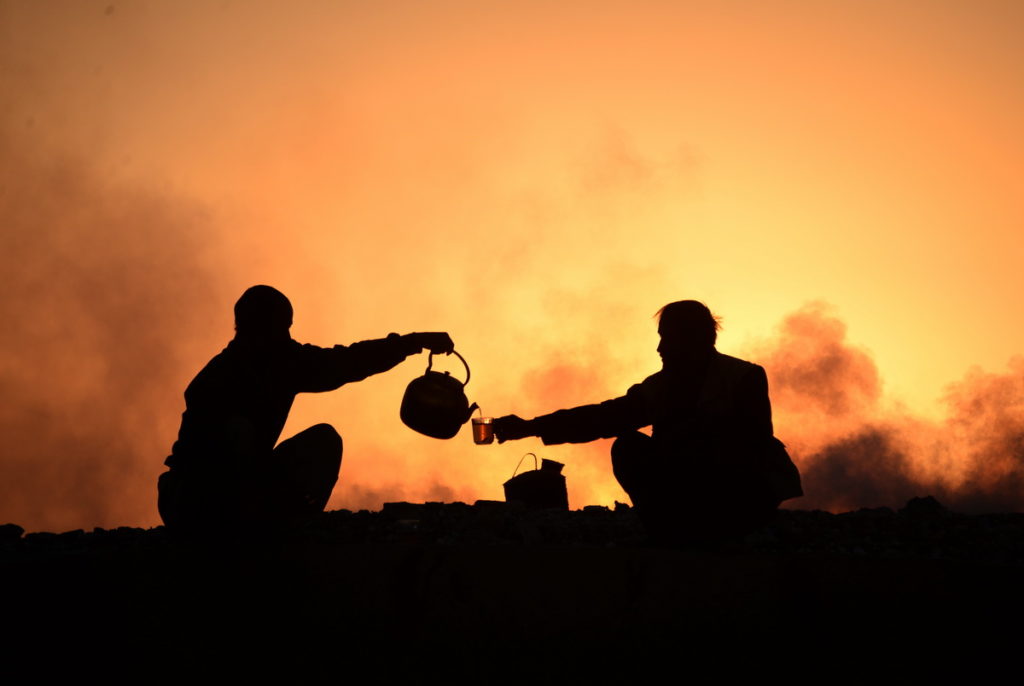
(225, 471)
(711, 469)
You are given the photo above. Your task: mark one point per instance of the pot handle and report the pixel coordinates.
(521, 462)
(430, 362)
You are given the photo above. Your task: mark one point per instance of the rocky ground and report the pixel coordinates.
(491, 592)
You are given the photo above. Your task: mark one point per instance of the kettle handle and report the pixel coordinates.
(430, 362)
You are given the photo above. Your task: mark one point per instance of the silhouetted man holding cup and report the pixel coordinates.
(711, 468)
(225, 470)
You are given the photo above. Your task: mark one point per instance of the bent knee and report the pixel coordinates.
(328, 443)
(326, 434)
(630, 445)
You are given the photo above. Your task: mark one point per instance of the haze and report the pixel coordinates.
(841, 182)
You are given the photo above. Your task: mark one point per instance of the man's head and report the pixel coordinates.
(688, 332)
(263, 312)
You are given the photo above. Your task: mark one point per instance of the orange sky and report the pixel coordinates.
(536, 180)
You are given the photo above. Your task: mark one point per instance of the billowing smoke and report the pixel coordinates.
(854, 451)
(101, 283)
(865, 469)
(815, 370)
(985, 431)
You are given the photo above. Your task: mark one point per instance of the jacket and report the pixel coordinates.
(237, 405)
(712, 424)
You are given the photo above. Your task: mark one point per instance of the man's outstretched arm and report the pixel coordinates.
(324, 369)
(579, 424)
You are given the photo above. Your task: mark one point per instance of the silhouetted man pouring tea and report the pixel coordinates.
(225, 470)
(711, 468)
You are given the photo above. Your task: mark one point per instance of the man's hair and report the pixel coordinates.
(262, 309)
(691, 318)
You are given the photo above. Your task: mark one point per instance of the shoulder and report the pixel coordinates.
(735, 364)
(733, 370)
(656, 377)
(219, 371)
(219, 362)
(655, 380)
(309, 356)
(296, 348)
(308, 351)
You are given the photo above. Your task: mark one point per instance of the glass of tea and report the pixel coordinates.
(483, 430)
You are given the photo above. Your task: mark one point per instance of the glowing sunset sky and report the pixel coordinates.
(535, 178)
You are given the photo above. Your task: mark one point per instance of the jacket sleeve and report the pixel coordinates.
(324, 369)
(590, 422)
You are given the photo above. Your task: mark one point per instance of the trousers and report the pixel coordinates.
(284, 489)
(681, 499)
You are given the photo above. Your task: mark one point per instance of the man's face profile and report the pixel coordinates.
(684, 339)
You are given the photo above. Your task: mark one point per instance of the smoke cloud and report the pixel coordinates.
(856, 450)
(100, 284)
(986, 440)
(815, 370)
(865, 469)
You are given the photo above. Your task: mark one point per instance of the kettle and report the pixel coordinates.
(435, 404)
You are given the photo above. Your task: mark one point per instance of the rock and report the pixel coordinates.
(10, 533)
(924, 507)
(403, 511)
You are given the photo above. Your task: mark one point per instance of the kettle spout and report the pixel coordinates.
(469, 413)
